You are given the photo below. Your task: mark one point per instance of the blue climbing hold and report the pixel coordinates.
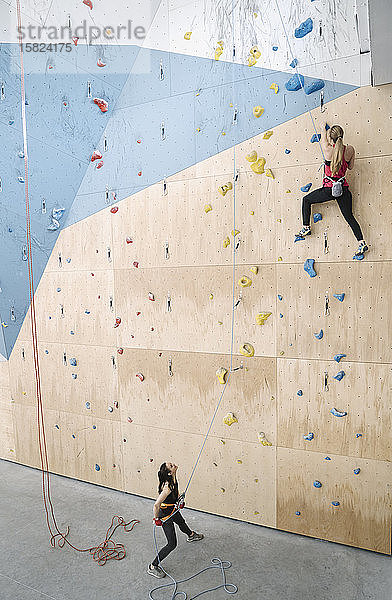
(309, 437)
(327, 458)
(294, 63)
(338, 413)
(73, 362)
(297, 512)
(88, 405)
(358, 257)
(317, 484)
(94, 426)
(72, 332)
(335, 503)
(300, 393)
(97, 468)
(74, 376)
(339, 376)
(309, 267)
(280, 297)
(10, 230)
(11, 122)
(358, 435)
(339, 297)
(58, 290)
(287, 151)
(303, 29)
(68, 260)
(274, 48)
(74, 436)
(87, 312)
(357, 471)
(338, 357)
(316, 137)
(319, 335)
(294, 83)
(314, 86)
(57, 427)
(280, 316)
(327, 127)
(317, 217)
(20, 179)
(46, 351)
(306, 188)
(299, 238)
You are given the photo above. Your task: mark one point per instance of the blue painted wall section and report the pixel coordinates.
(144, 89)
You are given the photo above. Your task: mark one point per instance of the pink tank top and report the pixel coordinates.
(339, 174)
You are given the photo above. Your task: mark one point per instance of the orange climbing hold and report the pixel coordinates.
(75, 40)
(95, 156)
(117, 323)
(102, 104)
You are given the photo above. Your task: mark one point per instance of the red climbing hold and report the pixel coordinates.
(103, 105)
(95, 156)
(135, 264)
(129, 240)
(139, 141)
(50, 66)
(130, 420)
(100, 63)
(120, 350)
(64, 103)
(114, 209)
(118, 321)
(75, 40)
(152, 328)
(92, 275)
(88, 3)
(140, 376)
(100, 165)
(138, 313)
(140, 173)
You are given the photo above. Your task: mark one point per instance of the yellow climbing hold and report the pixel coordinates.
(251, 61)
(252, 212)
(263, 440)
(252, 156)
(198, 129)
(218, 52)
(258, 166)
(239, 461)
(256, 512)
(223, 490)
(220, 43)
(254, 51)
(269, 173)
(221, 375)
(230, 419)
(225, 188)
(280, 259)
(254, 270)
(258, 111)
(222, 442)
(267, 135)
(279, 220)
(207, 208)
(220, 322)
(247, 350)
(245, 281)
(223, 132)
(226, 242)
(211, 296)
(187, 36)
(275, 87)
(281, 353)
(262, 317)
(288, 191)
(235, 232)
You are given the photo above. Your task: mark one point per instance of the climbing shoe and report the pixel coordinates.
(156, 571)
(195, 537)
(304, 231)
(362, 248)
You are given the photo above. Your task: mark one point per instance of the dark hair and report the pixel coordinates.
(164, 476)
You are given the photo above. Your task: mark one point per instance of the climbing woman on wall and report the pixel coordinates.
(163, 507)
(338, 158)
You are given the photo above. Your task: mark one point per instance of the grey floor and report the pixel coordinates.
(267, 564)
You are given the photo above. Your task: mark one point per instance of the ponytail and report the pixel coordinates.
(336, 135)
(164, 476)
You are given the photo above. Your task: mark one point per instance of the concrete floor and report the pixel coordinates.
(267, 564)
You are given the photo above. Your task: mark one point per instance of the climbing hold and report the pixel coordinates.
(297, 512)
(358, 257)
(316, 137)
(58, 290)
(21, 179)
(280, 316)
(338, 357)
(140, 376)
(102, 104)
(303, 29)
(263, 440)
(57, 427)
(221, 374)
(239, 461)
(88, 405)
(317, 217)
(75, 40)
(314, 86)
(74, 376)
(300, 393)
(117, 323)
(309, 267)
(319, 335)
(100, 63)
(254, 51)
(294, 63)
(258, 166)
(87, 312)
(247, 350)
(135, 264)
(211, 296)
(114, 209)
(357, 471)
(267, 135)
(281, 353)
(230, 419)
(95, 156)
(252, 156)
(72, 332)
(280, 297)
(274, 48)
(254, 270)
(298, 238)
(218, 52)
(288, 191)
(327, 458)
(258, 111)
(337, 413)
(245, 281)
(97, 468)
(339, 376)
(269, 173)
(223, 490)
(256, 512)
(235, 232)
(317, 484)
(287, 151)
(139, 174)
(335, 503)
(309, 437)
(88, 3)
(151, 296)
(110, 409)
(358, 435)
(262, 317)
(294, 83)
(306, 188)
(207, 208)
(73, 362)
(187, 35)
(252, 212)
(275, 87)
(120, 350)
(225, 188)
(130, 420)
(129, 240)
(99, 165)
(339, 297)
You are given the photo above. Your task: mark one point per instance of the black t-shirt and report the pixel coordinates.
(171, 499)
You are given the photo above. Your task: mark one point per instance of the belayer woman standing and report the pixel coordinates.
(338, 158)
(163, 507)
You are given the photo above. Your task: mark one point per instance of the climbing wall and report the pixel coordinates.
(134, 306)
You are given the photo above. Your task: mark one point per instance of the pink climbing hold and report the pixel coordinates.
(100, 63)
(75, 40)
(135, 264)
(129, 240)
(88, 3)
(120, 350)
(118, 321)
(95, 156)
(103, 105)
(100, 164)
(140, 376)
(114, 209)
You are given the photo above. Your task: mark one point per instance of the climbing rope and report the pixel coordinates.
(107, 549)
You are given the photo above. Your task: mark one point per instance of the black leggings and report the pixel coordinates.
(345, 203)
(168, 528)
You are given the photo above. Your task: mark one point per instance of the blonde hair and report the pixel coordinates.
(336, 134)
